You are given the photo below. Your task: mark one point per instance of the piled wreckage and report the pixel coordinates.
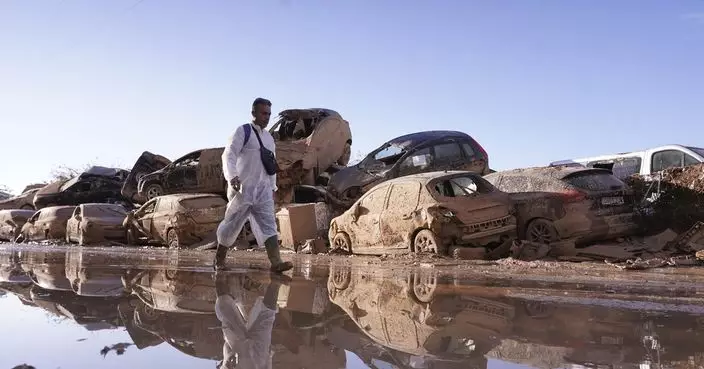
(424, 192)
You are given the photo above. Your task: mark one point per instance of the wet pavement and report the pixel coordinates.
(73, 307)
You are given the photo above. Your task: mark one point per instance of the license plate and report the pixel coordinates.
(615, 200)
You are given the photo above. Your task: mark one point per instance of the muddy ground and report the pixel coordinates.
(680, 282)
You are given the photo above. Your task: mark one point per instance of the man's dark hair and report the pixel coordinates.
(260, 101)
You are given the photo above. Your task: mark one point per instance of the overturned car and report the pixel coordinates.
(308, 143)
(414, 153)
(425, 213)
(175, 220)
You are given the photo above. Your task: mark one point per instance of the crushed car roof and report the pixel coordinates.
(557, 172)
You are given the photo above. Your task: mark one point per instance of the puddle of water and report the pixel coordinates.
(87, 308)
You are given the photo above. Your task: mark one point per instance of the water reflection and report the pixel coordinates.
(414, 318)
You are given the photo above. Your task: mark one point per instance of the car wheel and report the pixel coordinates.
(27, 207)
(130, 238)
(342, 242)
(340, 276)
(154, 190)
(423, 286)
(541, 231)
(172, 239)
(425, 242)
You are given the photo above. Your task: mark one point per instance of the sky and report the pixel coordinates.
(99, 82)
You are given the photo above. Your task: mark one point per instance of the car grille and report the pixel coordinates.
(489, 224)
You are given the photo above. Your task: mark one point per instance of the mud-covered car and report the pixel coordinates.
(308, 143)
(92, 223)
(146, 163)
(428, 212)
(196, 172)
(562, 202)
(11, 222)
(98, 184)
(414, 153)
(24, 201)
(47, 224)
(175, 220)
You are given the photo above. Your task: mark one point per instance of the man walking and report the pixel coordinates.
(250, 189)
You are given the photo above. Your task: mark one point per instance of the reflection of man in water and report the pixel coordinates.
(247, 337)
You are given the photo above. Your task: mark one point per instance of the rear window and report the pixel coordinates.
(203, 202)
(698, 150)
(60, 212)
(462, 186)
(104, 211)
(592, 181)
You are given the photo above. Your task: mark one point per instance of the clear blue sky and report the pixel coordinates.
(533, 81)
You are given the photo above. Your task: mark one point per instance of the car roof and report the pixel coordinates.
(14, 212)
(312, 110)
(556, 172)
(187, 196)
(418, 138)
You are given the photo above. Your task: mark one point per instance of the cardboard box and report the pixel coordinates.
(297, 224)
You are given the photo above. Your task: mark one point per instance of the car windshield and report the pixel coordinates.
(698, 150)
(68, 184)
(203, 202)
(595, 181)
(384, 158)
(104, 211)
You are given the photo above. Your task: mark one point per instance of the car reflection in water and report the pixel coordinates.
(407, 318)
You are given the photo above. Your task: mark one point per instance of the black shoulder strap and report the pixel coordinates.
(258, 138)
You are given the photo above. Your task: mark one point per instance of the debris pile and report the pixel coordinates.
(675, 197)
(667, 248)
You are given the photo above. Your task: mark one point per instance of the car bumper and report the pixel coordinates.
(509, 230)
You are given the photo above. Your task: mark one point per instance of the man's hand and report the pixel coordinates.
(235, 183)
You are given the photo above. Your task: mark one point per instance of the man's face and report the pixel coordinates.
(261, 114)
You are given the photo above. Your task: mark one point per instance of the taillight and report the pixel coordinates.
(573, 196)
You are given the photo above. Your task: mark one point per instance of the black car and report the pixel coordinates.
(98, 184)
(419, 152)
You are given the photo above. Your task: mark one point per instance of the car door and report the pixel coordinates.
(145, 216)
(368, 232)
(161, 217)
(396, 221)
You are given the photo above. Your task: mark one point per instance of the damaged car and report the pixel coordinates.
(565, 202)
(47, 224)
(309, 142)
(97, 184)
(429, 212)
(24, 201)
(11, 222)
(175, 220)
(414, 153)
(92, 223)
(146, 163)
(199, 171)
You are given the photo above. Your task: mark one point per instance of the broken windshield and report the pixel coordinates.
(384, 158)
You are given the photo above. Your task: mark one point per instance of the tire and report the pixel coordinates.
(423, 286)
(130, 238)
(153, 190)
(425, 241)
(342, 242)
(541, 231)
(172, 239)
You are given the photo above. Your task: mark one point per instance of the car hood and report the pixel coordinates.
(351, 177)
(50, 189)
